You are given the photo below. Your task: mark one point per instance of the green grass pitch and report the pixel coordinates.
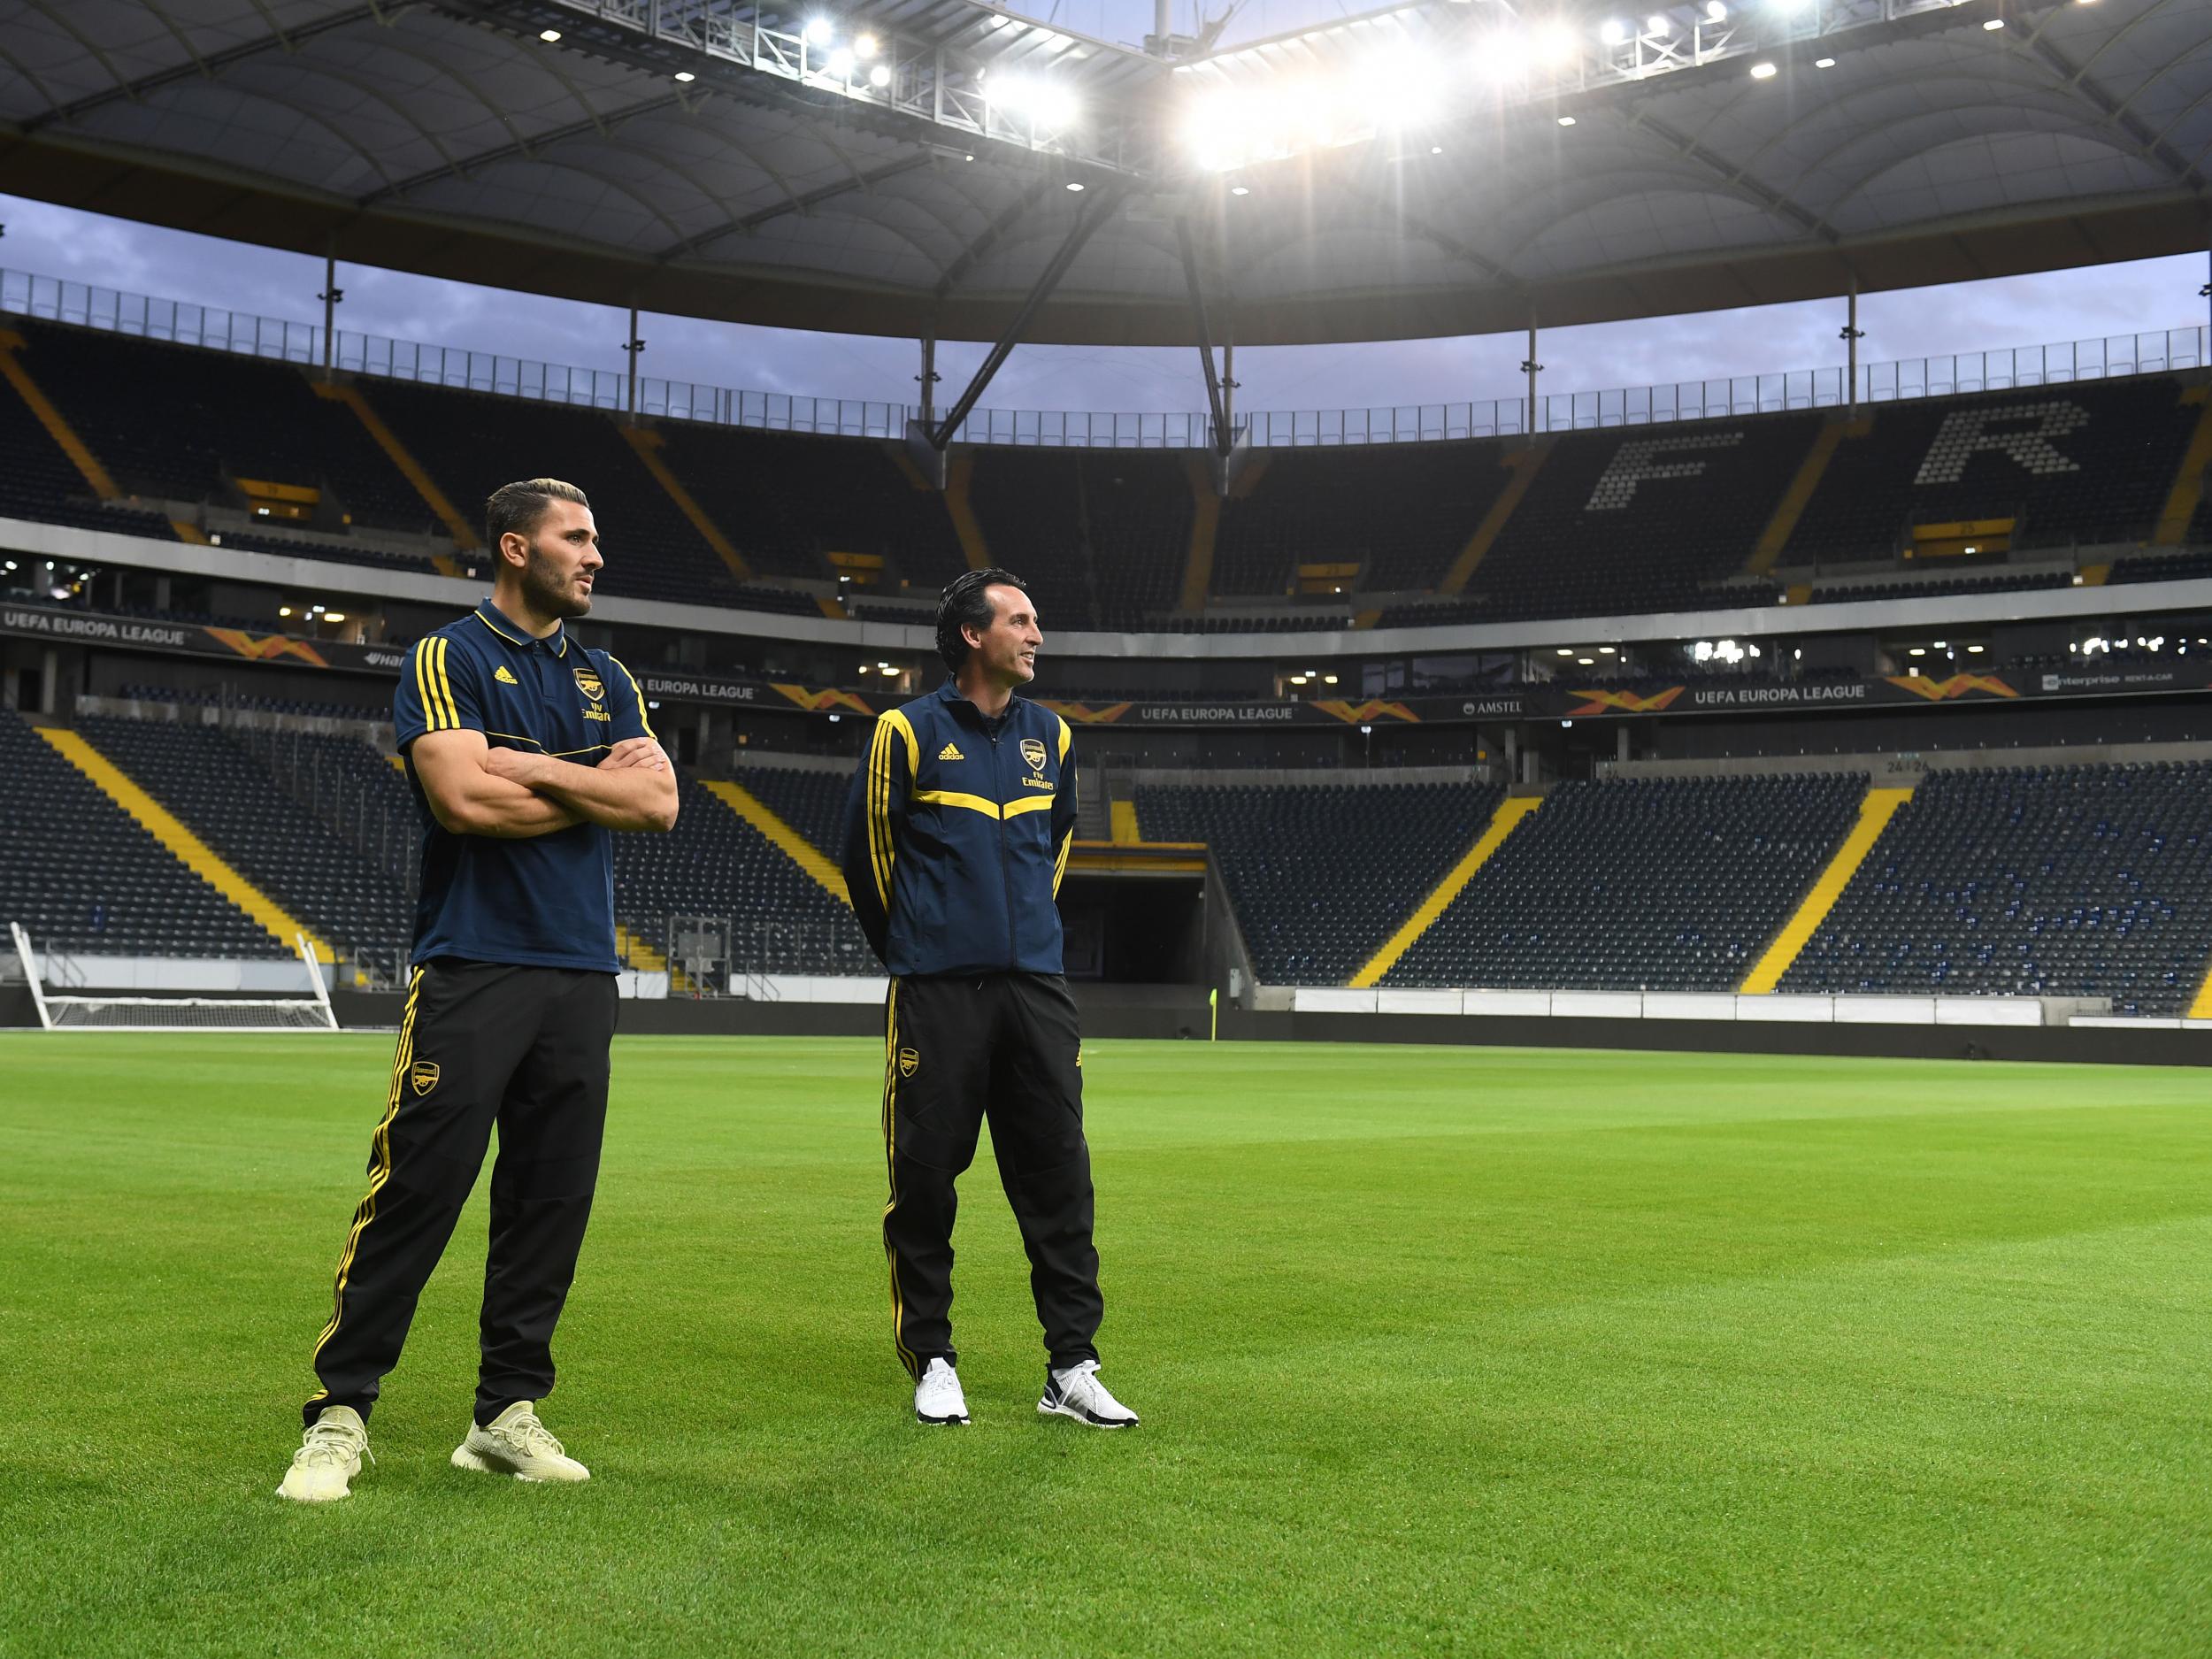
(1438, 1350)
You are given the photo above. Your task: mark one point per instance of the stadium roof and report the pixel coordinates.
(1425, 169)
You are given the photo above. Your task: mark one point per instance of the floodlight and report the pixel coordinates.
(1994, 23)
(1614, 32)
(1075, 185)
(1763, 72)
(818, 32)
(1657, 24)
(867, 45)
(880, 76)
(1566, 120)
(548, 35)
(686, 76)
(1240, 190)
(1052, 106)
(1824, 62)
(1557, 43)
(1715, 12)
(840, 61)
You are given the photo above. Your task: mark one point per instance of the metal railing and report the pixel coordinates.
(2157, 352)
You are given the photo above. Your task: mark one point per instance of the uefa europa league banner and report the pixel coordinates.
(1555, 699)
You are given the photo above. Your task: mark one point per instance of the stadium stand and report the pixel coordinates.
(789, 500)
(176, 423)
(82, 877)
(1320, 874)
(1100, 536)
(233, 803)
(1662, 884)
(2073, 465)
(472, 442)
(1640, 519)
(714, 864)
(1399, 513)
(1935, 587)
(812, 802)
(2059, 881)
(40, 482)
(2163, 567)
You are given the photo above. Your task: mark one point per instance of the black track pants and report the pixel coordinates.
(959, 1049)
(480, 1043)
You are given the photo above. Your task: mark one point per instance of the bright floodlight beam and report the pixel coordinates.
(818, 32)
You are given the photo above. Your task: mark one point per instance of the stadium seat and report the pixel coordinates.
(282, 833)
(714, 864)
(2088, 463)
(82, 876)
(1320, 874)
(1662, 884)
(2032, 880)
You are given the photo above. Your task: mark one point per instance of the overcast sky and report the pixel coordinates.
(2016, 311)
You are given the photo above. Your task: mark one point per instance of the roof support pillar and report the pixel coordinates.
(926, 444)
(1530, 367)
(330, 296)
(1852, 334)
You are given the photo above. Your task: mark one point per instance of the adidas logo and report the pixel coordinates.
(950, 753)
(503, 677)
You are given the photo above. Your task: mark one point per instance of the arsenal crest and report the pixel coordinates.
(588, 682)
(424, 1076)
(910, 1061)
(1034, 752)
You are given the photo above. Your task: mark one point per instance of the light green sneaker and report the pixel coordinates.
(515, 1443)
(329, 1457)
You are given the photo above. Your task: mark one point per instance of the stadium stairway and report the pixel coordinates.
(464, 533)
(780, 835)
(959, 476)
(1502, 824)
(188, 849)
(2188, 491)
(1875, 812)
(1791, 508)
(1523, 464)
(648, 444)
(2200, 1004)
(18, 374)
(84, 876)
(1205, 527)
(642, 957)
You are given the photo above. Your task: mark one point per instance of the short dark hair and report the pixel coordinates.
(966, 602)
(520, 507)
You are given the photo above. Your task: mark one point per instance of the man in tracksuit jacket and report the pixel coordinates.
(956, 835)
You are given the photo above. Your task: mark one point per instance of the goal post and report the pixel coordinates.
(69, 1010)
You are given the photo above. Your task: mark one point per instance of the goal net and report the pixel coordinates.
(67, 1009)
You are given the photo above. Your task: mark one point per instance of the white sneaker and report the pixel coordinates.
(1077, 1392)
(937, 1397)
(329, 1457)
(515, 1443)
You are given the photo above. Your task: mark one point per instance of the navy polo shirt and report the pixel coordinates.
(548, 901)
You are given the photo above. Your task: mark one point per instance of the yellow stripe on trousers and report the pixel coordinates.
(891, 1170)
(379, 1162)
